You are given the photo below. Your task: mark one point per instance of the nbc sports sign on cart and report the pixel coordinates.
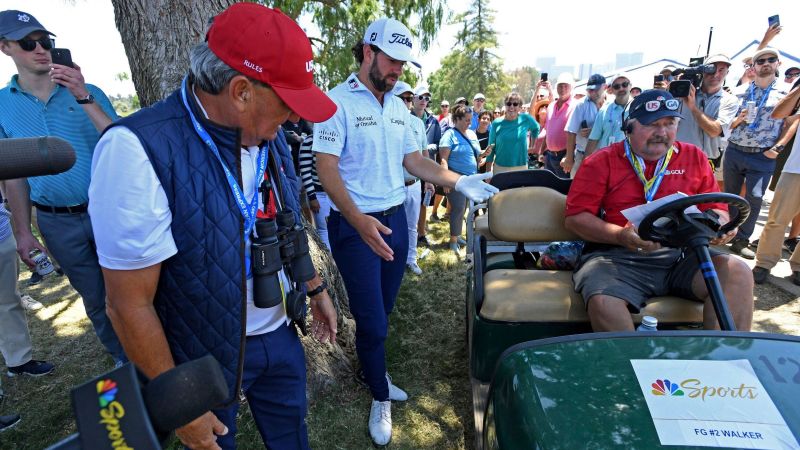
(711, 404)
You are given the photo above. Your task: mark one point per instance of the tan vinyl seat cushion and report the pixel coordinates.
(482, 227)
(529, 214)
(512, 295)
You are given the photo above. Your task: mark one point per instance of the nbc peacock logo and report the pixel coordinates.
(107, 391)
(666, 387)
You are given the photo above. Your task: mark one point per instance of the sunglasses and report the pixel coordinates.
(406, 98)
(510, 104)
(29, 45)
(480, 99)
(620, 85)
(445, 106)
(424, 98)
(793, 74)
(747, 66)
(762, 61)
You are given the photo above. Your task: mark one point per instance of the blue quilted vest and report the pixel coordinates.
(202, 289)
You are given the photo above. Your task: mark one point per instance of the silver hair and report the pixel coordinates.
(208, 72)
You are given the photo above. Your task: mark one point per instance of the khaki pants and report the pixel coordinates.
(500, 169)
(785, 205)
(15, 340)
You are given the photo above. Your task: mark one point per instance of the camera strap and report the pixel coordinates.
(249, 209)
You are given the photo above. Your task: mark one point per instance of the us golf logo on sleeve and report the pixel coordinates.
(711, 404)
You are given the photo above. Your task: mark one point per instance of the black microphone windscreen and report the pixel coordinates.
(180, 395)
(30, 157)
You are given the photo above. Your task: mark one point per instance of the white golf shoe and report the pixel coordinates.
(380, 422)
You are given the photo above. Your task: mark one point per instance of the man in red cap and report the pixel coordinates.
(196, 181)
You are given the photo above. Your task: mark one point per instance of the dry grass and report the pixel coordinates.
(426, 356)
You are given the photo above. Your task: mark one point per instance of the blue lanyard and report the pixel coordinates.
(752, 97)
(638, 164)
(248, 210)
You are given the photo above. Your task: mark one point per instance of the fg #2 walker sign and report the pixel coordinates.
(711, 404)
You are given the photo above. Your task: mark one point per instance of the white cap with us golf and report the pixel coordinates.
(393, 38)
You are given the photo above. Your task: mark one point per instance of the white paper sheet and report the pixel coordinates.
(636, 214)
(711, 404)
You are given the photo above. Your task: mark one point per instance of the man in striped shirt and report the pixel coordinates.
(46, 99)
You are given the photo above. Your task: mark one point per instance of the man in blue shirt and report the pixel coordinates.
(46, 99)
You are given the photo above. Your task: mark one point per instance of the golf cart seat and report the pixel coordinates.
(536, 215)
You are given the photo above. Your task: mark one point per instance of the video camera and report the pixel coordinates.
(692, 75)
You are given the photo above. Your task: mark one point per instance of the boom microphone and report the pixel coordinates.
(30, 157)
(114, 411)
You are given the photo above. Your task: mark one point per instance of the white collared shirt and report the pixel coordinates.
(371, 141)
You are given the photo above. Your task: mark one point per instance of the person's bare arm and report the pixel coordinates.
(786, 105)
(367, 226)
(591, 146)
(594, 229)
(19, 203)
(129, 305)
(569, 159)
(769, 35)
(72, 79)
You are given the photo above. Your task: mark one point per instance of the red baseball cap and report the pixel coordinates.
(266, 45)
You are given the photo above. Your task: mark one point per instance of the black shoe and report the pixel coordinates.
(34, 279)
(9, 422)
(760, 274)
(739, 246)
(790, 244)
(753, 245)
(32, 368)
(422, 241)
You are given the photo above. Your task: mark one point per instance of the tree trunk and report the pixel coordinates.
(157, 35)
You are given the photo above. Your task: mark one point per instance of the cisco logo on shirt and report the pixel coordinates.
(328, 135)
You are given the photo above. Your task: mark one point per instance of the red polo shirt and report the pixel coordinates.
(607, 181)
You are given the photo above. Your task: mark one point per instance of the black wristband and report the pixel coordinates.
(318, 290)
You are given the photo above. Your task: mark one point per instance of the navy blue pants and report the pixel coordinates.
(372, 285)
(274, 381)
(552, 162)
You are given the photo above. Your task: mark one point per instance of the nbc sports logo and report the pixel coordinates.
(666, 387)
(107, 391)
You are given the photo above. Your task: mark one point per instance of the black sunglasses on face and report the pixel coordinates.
(424, 98)
(29, 45)
(620, 85)
(406, 98)
(510, 104)
(762, 61)
(793, 74)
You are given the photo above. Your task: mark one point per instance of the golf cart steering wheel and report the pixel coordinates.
(671, 226)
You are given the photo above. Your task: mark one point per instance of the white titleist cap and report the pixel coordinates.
(393, 38)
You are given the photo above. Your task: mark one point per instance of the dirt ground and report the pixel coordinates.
(776, 311)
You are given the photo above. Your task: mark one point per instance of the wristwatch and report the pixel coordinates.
(318, 290)
(83, 101)
(778, 148)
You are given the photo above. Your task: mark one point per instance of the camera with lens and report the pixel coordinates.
(692, 75)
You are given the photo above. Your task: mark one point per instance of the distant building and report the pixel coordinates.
(628, 59)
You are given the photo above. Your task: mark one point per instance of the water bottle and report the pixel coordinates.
(751, 112)
(43, 264)
(427, 200)
(649, 323)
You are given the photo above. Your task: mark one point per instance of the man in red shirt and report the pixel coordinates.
(619, 271)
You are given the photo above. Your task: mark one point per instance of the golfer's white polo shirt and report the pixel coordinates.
(370, 141)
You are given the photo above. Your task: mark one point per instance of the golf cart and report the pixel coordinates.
(542, 380)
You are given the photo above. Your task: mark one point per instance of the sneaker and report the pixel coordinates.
(29, 303)
(9, 422)
(380, 422)
(422, 241)
(434, 218)
(790, 244)
(395, 393)
(739, 246)
(34, 279)
(760, 274)
(414, 268)
(424, 253)
(461, 241)
(33, 368)
(454, 247)
(753, 245)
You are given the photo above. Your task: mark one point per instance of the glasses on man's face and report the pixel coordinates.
(747, 66)
(514, 104)
(620, 85)
(793, 75)
(445, 106)
(424, 98)
(406, 98)
(762, 61)
(29, 44)
(480, 100)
